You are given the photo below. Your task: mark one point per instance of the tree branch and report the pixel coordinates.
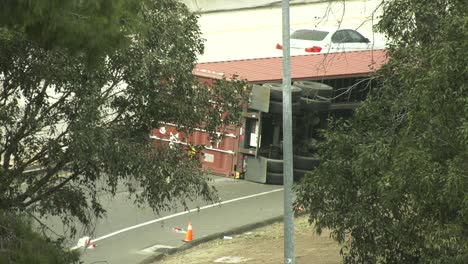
(50, 190)
(28, 115)
(42, 182)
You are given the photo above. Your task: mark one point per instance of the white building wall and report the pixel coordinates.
(224, 5)
(254, 32)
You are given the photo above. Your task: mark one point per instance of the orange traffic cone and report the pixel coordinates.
(189, 235)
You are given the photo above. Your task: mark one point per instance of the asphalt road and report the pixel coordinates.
(130, 235)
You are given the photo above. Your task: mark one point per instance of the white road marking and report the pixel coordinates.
(179, 214)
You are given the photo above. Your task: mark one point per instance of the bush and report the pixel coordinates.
(20, 244)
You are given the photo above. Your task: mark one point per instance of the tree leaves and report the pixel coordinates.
(94, 27)
(86, 126)
(393, 178)
(20, 244)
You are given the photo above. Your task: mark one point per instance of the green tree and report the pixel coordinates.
(60, 114)
(92, 26)
(393, 181)
(20, 244)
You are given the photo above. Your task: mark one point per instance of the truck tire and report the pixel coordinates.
(299, 174)
(314, 90)
(275, 165)
(305, 163)
(277, 107)
(276, 92)
(274, 178)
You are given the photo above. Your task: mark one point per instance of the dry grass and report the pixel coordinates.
(263, 245)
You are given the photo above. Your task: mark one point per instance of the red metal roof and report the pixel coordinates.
(306, 67)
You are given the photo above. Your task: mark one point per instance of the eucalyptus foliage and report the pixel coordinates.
(94, 26)
(393, 182)
(20, 244)
(88, 128)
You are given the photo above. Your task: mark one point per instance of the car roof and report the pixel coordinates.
(326, 29)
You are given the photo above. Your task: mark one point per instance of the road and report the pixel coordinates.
(129, 234)
(253, 33)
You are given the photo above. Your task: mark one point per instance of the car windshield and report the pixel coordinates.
(309, 34)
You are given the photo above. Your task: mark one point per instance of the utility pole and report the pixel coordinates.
(288, 221)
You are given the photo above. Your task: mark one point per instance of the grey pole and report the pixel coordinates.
(287, 142)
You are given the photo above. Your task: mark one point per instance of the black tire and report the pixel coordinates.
(305, 163)
(274, 178)
(275, 165)
(277, 107)
(314, 90)
(299, 174)
(276, 92)
(309, 105)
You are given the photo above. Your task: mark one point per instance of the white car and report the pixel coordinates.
(313, 40)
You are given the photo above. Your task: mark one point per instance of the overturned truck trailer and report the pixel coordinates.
(313, 103)
(219, 158)
(324, 86)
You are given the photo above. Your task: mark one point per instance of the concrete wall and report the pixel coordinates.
(206, 6)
